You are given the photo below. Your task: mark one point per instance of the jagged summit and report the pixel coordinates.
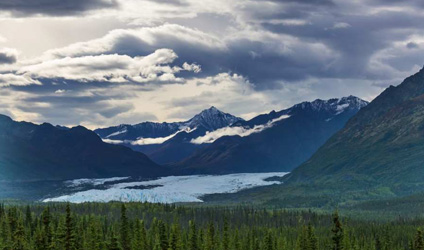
(209, 119)
(212, 119)
(334, 105)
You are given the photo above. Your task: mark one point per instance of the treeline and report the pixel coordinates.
(143, 226)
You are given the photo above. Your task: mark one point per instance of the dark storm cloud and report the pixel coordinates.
(355, 37)
(6, 58)
(259, 61)
(53, 7)
(412, 45)
(71, 108)
(285, 45)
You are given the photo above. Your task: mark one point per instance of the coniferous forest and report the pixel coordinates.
(144, 226)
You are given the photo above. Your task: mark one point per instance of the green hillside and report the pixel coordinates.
(382, 145)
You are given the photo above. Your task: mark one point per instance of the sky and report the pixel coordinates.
(99, 63)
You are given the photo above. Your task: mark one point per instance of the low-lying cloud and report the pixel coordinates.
(145, 141)
(211, 137)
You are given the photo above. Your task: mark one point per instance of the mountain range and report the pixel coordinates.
(278, 141)
(214, 142)
(45, 152)
(167, 142)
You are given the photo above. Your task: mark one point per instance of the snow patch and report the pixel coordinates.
(172, 189)
(210, 137)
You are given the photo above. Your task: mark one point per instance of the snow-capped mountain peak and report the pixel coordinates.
(334, 106)
(212, 119)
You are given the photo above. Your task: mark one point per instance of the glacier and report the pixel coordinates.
(172, 189)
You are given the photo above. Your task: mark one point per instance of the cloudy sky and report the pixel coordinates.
(106, 62)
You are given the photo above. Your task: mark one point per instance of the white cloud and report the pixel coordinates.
(111, 68)
(162, 36)
(210, 137)
(2, 39)
(146, 141)
(7, 80)
(341, 25)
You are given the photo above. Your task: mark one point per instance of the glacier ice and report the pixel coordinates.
(172, 189)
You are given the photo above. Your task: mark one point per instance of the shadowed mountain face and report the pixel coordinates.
(383, 143)
(45, 152)
(283, 140)
(172, 140)
(209, 119)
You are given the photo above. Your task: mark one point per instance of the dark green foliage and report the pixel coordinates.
(337, 233)
(139, 226)
(113, 245)
(419, 241)
(69, 230)
(125, 234)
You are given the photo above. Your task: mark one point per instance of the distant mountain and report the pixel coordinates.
(382, 144)
(45, 152)
(167, 142)
(278, 141)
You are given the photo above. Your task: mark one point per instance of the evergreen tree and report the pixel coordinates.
(125, 242)
(69, 230)
(210, 237)
(162, 235)
(174, 238)
(93, 239)
(192, 237)
(268, 241)
(28, 218)
(46, 233)
(312, 238)
(419, 241)
(113, 244)
(337, 233)
(225, 242)
(19, 241)
(139, 238)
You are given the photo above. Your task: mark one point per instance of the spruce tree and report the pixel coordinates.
(337, 233)
(19, 242)
(225, 241)
(113, 244)
(174, 238)
(162, 235)
(47, 233)
(192, 236)
(419, 241)
(210, 237)
(125, 241)
(268, 243)
(69, 230)
(312, 239)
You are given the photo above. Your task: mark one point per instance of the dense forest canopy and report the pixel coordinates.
(143, 226)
